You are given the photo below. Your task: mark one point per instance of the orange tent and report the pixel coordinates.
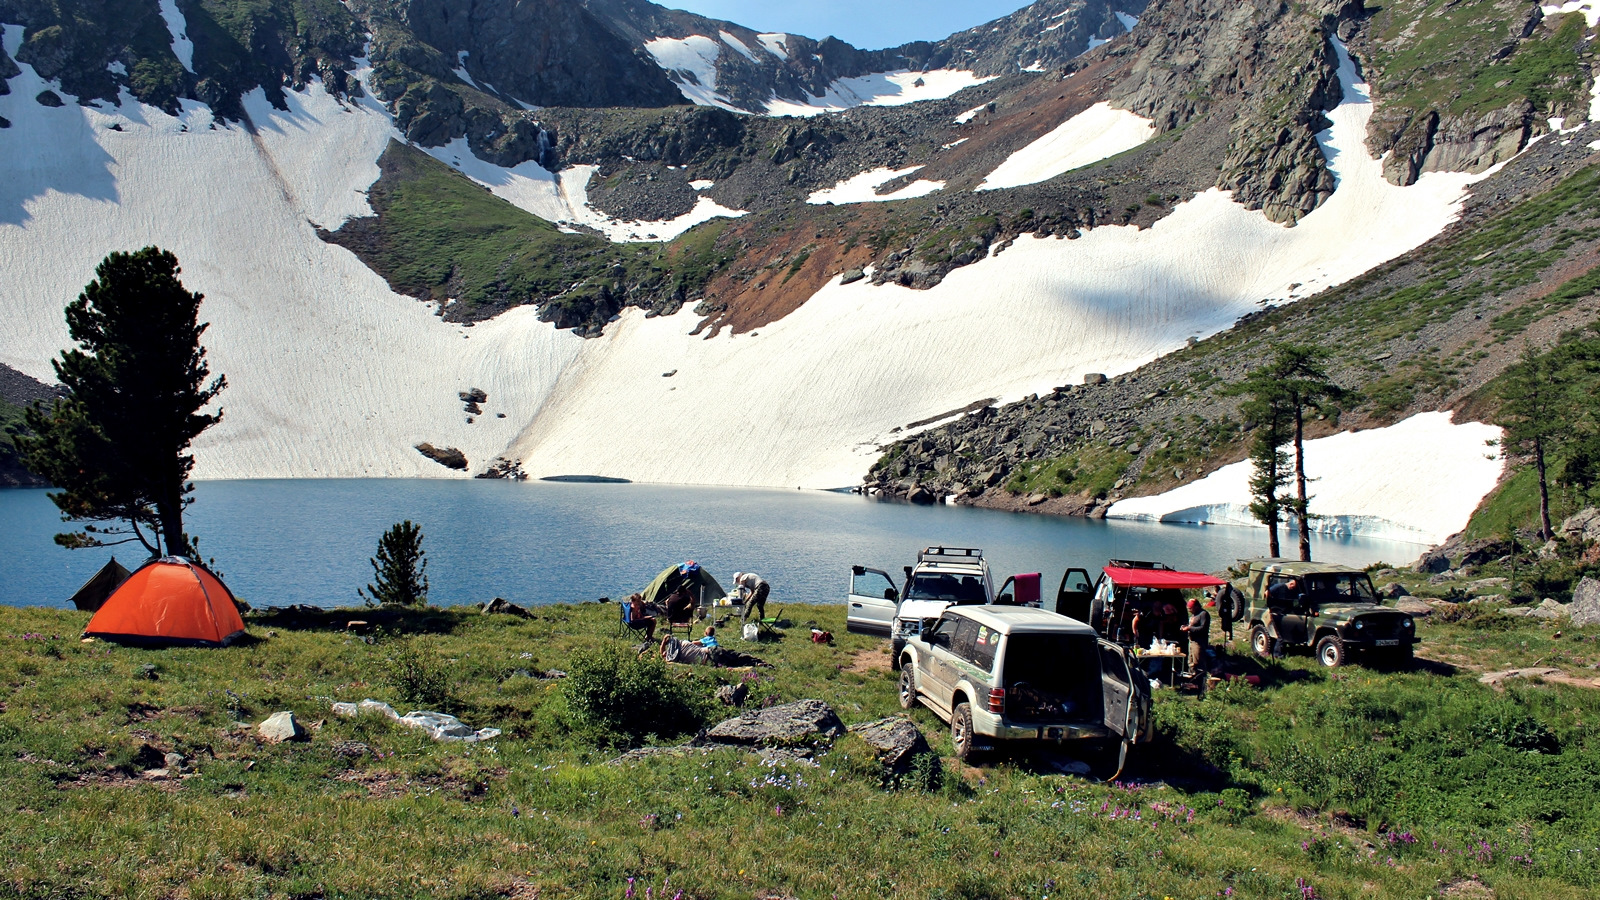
(169, 601)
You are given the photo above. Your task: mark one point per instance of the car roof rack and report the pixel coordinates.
(950, 553)
(1137, 564)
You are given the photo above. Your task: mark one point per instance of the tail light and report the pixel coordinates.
(997, 700)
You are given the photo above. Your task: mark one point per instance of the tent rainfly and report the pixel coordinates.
(169, 601)
(100, 585)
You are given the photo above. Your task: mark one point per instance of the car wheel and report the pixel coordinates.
(894, 654)
(1331, 652)
(1259, 642)
(961, 732)
(908, 687)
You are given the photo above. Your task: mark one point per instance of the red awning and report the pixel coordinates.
(1160, 578)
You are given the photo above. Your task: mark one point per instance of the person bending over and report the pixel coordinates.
(756, 590)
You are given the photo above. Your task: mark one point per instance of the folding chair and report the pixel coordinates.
(626, 625)
(768, 627)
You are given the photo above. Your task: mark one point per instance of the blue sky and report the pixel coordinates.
(869, 24)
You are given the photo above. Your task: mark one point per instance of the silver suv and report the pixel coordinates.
(942, 577)
(1014, 673)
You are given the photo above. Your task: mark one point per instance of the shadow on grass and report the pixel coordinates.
(358, 620)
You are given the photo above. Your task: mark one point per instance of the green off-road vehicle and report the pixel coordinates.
(1330, 608)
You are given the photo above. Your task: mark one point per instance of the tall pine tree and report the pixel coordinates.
(116, 446)
(1533, 407)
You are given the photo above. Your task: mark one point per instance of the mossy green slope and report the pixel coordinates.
(439, 236)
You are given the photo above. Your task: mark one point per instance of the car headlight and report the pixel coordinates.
(1360, 624)
(1406, 623)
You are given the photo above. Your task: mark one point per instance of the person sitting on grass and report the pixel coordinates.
(710, 639)
(638, 617)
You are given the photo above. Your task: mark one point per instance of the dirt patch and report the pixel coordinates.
(1468, 888)
(865, 661)
(1537, 675)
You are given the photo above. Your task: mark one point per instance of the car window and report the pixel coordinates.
(930, 586)
(966, 633)
(983, 647)
(1340, 587)
(1279, 593)
(971, 590)
(872, 584)
(1078, 582)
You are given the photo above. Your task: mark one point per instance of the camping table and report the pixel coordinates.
(1172, 663)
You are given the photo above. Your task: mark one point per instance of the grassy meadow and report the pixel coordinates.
(1317, 784)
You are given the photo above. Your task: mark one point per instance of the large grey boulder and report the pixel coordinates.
(1583, 525)
(1548, 609)
(1432, 562)
(788, 723)
(895, 741)
(280, 727)
(1414, 607)
(1585, 605)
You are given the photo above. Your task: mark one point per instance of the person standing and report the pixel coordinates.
(755, 589)
(1224, 600)
(1199, 632)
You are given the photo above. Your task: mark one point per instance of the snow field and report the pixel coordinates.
(882, 89)
(330, 373)
(966, 117)
(1096, 133)
(863, 188)
(693, 63)
(1128, 22)
(1418, 480)
(738, 45)
(776, 44)
(564, 200)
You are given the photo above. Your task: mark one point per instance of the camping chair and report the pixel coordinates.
(626, 624)
(768, 627)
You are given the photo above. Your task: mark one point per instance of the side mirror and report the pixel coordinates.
(891, 594)
(907, 570)
(940, 639)
(858, 570)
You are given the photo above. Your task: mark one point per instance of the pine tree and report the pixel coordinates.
(399, 570)
(116, 445)
(1532, 412)
(1301, 375)
(1267, 412)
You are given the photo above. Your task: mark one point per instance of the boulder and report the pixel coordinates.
(444, 727)
(1094, 378)
(921, 496)
(1433, 562)
(787, 723)
(348, 710)
(1413, 607)
(895, 741)
(733, 694)
(280, 727)
(449, 457)
(175, 761)
(1393, 589)
(1585, 605)
(1478, 552)
(1583, 525)
(1548, 609)
(502, 606)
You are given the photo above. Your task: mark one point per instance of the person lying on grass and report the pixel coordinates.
(694, 653)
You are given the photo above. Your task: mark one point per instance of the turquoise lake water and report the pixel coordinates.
(309, 541)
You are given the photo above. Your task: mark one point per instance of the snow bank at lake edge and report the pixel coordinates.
(1418, 480)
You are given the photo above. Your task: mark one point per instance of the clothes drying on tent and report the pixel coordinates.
(100, 585)
(169, 601)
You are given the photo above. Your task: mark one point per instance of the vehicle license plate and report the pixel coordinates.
(1394, 643)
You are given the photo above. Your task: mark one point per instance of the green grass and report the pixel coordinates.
(1309, 769)
(1090, 470)
(440, 236)
(1439, 53)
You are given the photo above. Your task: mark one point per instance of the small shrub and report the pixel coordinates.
(399, 569)
(1517, 732)
(925, 774)
(419, 677)
(620, 699)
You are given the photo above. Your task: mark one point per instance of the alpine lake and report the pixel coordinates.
(282, 542)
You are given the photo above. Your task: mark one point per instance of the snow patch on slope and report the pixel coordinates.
(777, 44)
(1589, 8)
(738, 45)
(966, 117)
(882, 89)
(1418, 480)
(863, 188)
(178, 26)
(1128, 22)
(860, 360)
(692, 63)
(564, 199)
(1096, 133)
(330, 372)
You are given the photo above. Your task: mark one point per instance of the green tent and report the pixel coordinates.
(99, 586)
(702, 587)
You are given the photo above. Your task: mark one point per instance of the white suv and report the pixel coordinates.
(1014, 673)
(943, 577)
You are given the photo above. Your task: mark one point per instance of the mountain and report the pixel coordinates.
(391, 204)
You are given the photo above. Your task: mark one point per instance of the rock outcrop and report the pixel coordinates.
(788, 723)
(449, 457)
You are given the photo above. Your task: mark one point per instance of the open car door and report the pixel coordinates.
(1074, 594)
(872, 601)
(1126, 694)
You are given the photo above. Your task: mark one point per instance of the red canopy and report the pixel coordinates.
(1160, 578)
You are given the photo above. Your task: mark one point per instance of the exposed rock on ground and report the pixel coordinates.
(449, 457)
(894, 740)
(788, 723)
(280, 727)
